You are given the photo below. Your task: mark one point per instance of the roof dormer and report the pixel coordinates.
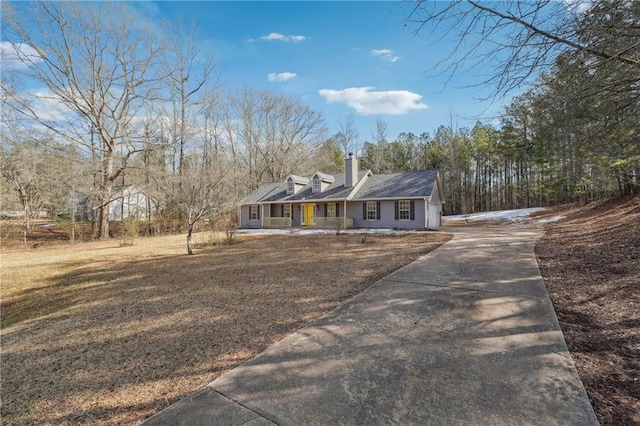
(294, 183)
(320, 182)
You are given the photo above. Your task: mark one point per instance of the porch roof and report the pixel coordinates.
(277, 192)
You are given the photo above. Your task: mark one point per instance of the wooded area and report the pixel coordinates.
(126, 105)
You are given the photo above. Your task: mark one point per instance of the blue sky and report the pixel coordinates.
(358, 59)
(341, 58)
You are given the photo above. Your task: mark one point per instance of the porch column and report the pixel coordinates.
(426, 214)
(344, 215)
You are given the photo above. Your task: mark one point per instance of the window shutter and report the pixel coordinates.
(397, 205)
(364, 210)
(325, 210)
(282, 210)
(259, 211)
(412, 210)
(378, 210)
(337, 209)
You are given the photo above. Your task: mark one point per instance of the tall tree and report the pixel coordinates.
(188, 70)
(347, 136)
(273, 135)
(99, 67)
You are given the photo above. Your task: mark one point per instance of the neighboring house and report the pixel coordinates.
(126, 201)
(353, 199)
(80, 204)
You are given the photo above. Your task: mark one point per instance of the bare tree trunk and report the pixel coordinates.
(190, 225)
(73, 212)
(25, 226)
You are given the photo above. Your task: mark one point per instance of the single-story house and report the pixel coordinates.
(127, 201)
(353, 199)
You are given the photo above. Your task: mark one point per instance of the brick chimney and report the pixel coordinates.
(350, 171)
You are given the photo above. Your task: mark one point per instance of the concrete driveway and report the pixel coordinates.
(466, 335)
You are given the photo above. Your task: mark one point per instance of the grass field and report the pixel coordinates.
(95, 333)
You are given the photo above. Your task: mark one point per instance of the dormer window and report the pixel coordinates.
(320, 182)
(295, 183)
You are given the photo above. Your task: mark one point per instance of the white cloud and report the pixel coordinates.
(385, 54)
(282, 37)
(578, 6)
(48, 107)
(367, 102)
(18, 56)
(283, 76)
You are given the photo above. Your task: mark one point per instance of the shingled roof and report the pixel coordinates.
(398, 185)
(416, 184)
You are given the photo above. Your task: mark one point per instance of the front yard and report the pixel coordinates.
(98, 333)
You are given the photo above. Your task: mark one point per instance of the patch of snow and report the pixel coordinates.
(513, 215)
(307, 231)
(551, 219)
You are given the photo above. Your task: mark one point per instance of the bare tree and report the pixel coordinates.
(347, 136)
(380, 138)
(273, 135)
(201, 192)
(188, 70)
(99, 67)
(523, 38)
(23, 169)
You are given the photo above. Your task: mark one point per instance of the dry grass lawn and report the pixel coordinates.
(100, 334)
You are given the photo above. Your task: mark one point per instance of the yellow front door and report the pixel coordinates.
(310, 214)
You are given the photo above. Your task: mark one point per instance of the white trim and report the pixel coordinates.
(334, 210)
(358, 186)
(251, 206)
(407, 210)
(426, 214)
(374, 211)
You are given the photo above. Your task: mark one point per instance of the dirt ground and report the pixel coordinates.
(99, 333)
(590, 263)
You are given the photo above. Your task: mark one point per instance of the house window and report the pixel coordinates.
(316, 184)
(286, 210)
(372, 210)
(404, 209)
(254, 212)
(331, 210)
(291, 186)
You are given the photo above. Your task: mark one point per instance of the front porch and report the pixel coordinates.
(313, 222)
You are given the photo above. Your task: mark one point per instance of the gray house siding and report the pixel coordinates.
(387, 216)
(245, 218)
